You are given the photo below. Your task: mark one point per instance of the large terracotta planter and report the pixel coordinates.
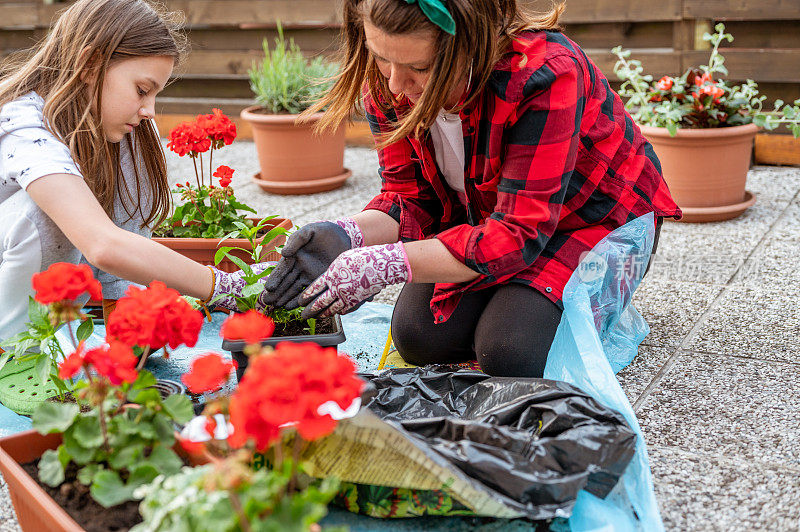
(202, 250)
(293, 159)
(706, 169)
(36, 510)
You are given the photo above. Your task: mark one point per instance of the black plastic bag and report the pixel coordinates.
(534, 443)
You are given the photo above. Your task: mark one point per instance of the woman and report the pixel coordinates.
(504, 156)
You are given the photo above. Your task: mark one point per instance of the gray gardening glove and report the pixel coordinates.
(307, 254)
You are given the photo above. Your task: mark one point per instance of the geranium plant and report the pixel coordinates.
(699, 98)
(287, 398)
(116, 447)
(207, 210)
(55, 304)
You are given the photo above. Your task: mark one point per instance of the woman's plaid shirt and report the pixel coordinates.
(554, 163)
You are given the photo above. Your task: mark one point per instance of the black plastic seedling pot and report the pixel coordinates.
(236, 347)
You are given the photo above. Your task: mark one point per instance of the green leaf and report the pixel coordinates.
(52, 417)
(164, 430)
(142, 474)
(241, 264)
(38, 314)
(85, 330)
(165, 460)
(87, 431)
(126, 456)
(81, 455)
(145, 396)
(221, 253)
(144, 380)
(42, 369)
(179, 408)
(108, 490)
(87, 473)
(252, 290)
(51, 470)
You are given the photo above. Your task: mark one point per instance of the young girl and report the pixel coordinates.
(504, 156)
(82, 171)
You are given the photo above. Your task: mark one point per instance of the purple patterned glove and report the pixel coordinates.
(354, 276)
(230, 285)
(352, 229)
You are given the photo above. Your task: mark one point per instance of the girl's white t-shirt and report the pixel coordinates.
(29, 241)
(448, 147)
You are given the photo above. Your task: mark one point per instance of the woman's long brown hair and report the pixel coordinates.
(89, 36)
(484, 32)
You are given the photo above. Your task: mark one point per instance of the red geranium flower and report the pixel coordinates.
(190, 138)
(65, 282)
(207, 374)
(224, 173)
(287, 388)
(154, 317)
(116, 362)
(252, 327)
(700, 80)
(71, 365)
(218, 127)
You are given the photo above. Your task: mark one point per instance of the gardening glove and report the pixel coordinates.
(307, 254)
(231, 285)
(354, 276)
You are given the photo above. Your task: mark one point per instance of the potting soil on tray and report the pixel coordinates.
(598, 335)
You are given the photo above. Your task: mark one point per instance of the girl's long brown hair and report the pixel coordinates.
(89, 36)
(484, 32)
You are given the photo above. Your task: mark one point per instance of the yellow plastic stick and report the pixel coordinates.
(386, 351)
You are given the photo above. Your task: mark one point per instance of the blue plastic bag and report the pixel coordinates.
(599, 334)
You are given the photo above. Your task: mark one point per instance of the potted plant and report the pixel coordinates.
(286, 399)
(702, 130)
(91, 455)
(209, 213)
(31, 357)
(293, 159)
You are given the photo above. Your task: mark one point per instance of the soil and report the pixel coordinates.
(76, 500)
(297, 327)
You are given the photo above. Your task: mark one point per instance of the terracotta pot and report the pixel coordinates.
(293, 159)
(706, 169)
(202, 250)
(36, 510)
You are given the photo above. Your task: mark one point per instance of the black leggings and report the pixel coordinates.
(507, 328)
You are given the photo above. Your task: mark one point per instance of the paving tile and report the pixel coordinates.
(754, 322)
(8, 519)
(788, 226)
(775, 264)
(635, 377)
(698, 492)
(773, 181)
(749, 226)
(671, 308)
(726, 406)
(697, 257)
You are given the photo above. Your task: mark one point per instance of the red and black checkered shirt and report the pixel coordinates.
(554, 163)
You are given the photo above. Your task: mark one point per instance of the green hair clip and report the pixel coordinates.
(437, 13)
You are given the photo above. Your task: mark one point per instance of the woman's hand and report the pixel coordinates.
(353, 277)
(306, 256)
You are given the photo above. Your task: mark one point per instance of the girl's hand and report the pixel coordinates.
(354, 276)
(230, 286)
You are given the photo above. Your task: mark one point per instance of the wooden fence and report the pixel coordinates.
(226, 37)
